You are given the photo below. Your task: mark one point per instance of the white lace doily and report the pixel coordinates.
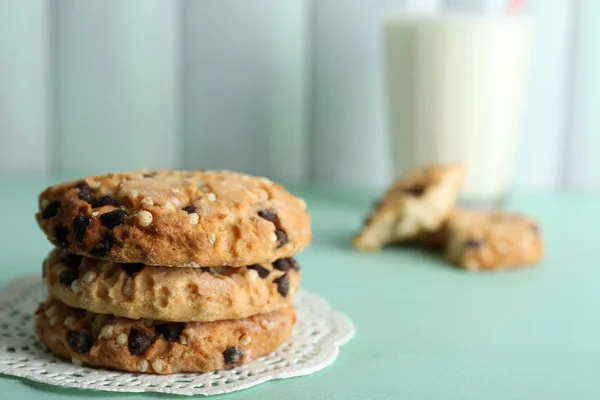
(313, 346)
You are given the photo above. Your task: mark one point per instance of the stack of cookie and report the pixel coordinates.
(170, 271)
(420, 208)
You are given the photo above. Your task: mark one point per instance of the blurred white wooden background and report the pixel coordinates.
(290, 89)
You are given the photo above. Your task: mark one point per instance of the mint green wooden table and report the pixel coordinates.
(424, 330)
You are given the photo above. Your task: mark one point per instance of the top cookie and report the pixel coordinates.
(414, 208)
(175, 218)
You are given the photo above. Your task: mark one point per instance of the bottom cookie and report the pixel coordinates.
(162, 348)
(492, 240)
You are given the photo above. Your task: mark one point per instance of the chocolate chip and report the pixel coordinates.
(105, 200)
(282, 264)
(232, 355)
(138, 342)
(285, 264)
(79, 341)
(67, 276)
(102, 247)
(170, 331)
(281, 237)
(113, 218)
(132, 268)
(51, 209)
(269, 215)
(60, 235)
(44, 268)
(149, 175)
(88, 197)
(80, 224)
(415, 190)
(262, 271)
(71, 260)
(85, 192)
(82, 185)
(283, 284)
(295, 264)
(205, 269)
(473, 243)
(189, 209)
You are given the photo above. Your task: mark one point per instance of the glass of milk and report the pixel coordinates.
(455, 93)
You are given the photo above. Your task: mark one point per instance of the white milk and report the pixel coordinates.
(455, 87)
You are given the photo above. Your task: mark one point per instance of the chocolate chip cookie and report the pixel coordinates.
(175, 218)
(149, 346)
(491, 240)
(414, 208)
(170, 294)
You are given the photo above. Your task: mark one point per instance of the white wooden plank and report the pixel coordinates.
(349, 134)
(24, 86)
(245, 86)
(117, 84)
(584, 135)
(288, 90)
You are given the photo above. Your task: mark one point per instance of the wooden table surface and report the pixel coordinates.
(424, 329)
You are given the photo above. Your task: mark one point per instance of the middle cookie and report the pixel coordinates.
(170, 294)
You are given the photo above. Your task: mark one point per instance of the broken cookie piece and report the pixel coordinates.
(492, 240)
(414, 208)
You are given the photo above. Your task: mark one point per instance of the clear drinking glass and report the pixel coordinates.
(455, 94)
